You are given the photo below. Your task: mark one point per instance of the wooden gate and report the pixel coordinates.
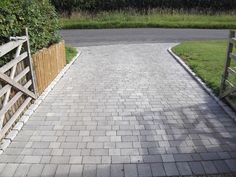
(17, 86)
(228, 84)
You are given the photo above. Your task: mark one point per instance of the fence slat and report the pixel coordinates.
(12, 63)
(47, 64)
(17, 78)
(16, 85)
(4, 90)
(13, 100)
(4, 49)
(14, 117)
(22, 74)
(232, 56)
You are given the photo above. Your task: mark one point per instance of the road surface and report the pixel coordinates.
(93, 37)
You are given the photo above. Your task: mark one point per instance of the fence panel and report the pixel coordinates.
(47, 63)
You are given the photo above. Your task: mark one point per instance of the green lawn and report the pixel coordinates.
(70, 53)
(206, 59)
(153, 19)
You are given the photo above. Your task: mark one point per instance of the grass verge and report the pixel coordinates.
(152, 19)
(70, 53)
(206, 59)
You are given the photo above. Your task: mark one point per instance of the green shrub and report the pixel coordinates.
(144, 5)
(64, 6)
(38, 15)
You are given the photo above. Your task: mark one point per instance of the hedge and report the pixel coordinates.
(108, 5)
(38, 15)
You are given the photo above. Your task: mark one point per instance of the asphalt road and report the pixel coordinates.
(93, 37)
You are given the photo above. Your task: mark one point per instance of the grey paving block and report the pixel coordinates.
(9, 170)
(22, 170)
(45, 159)
(209, 167)
(144, 170)
(2, 167)
(171, 169)
(158, 169)
(131, 170)
(231, 164)
(114, 152)
(196, 168)
(117, 170)
(182, 157)
(120, 159)
(75, 160)
(89, 171)
(35, 170)
(152, 158)
(60, 159)
(96, 152)
(106, 159)
(92, 159)
(49, 170)
(184, 168)
(31, 159)
(210, 156)
(221, 166)
(103, 171)
(76, 171)
(167, 158)
(62, 171)
(129, 152)
(57, 152)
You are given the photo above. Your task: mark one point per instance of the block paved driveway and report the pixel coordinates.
(124, 111)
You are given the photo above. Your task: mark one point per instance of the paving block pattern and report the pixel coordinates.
(124, 111)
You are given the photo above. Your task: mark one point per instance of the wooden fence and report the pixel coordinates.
(47, 63)
(24, 78)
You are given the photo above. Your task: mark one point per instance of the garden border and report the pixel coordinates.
(224, 106)
(16, 129)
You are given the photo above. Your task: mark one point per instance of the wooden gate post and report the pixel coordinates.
(29, 63)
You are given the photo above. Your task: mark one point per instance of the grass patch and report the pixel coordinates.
(70, 53)
(206, 59)
(134, 19)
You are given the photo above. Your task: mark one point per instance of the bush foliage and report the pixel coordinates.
(38, 15)
(143, 5)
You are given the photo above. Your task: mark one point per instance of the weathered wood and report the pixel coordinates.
(13, 100)
(14, 117)
(29, 63)
(231, 71)
(12, 63)
(47, 64)
(232, 41)
(228, 92)
(22, 74)
(229, 83)
(12, 74)
(16, 85)
(17, 78)
(232, 56)
(227, 63)
(4, 90)
(4, 49)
